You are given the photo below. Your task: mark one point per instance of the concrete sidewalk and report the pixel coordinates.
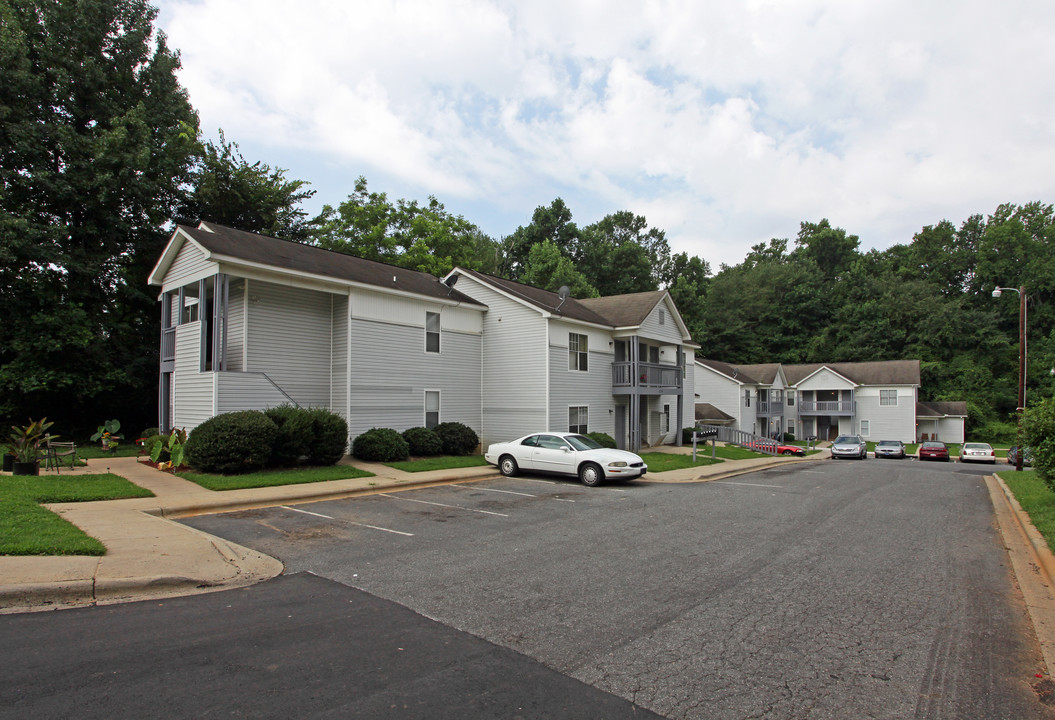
(148, 555)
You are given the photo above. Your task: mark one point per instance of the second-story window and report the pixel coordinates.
(747, 398)
(888, 397)
(578, 352)
(432, 332)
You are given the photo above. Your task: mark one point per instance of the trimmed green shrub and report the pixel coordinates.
(150, 432)
(789, 437)
(1038, 434)
(458, 439)
(380, 445)
(423, 441)
(686, 436)
(231, 443)
(329, 437)
(602, 439)
(293, 437)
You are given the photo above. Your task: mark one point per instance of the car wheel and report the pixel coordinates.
(787, 452)
(507, 465)
(591, 474)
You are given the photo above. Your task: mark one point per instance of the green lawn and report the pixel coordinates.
(1036, 499)
(270, 478)
(445, 462)
(26, 528)
(661, 461)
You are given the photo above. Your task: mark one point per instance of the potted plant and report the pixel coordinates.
(107, 433)
(24, 445)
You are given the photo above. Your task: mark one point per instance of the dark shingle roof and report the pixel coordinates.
(880, 372)
(936, 408)
(732, 371)
(238, 245)
(542, 299)
(708, 413)
(625, 310)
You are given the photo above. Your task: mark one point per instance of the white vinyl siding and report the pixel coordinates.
(515, 387)
(591, 389)
(289, 339)
(718, 390)
(390, 376)
(657, 333)
(339, 361)
(888, 422)
(236, 325)
(192, 389)
(189, 266)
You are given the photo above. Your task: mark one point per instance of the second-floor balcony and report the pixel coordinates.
(649, 378)
(770, 407)
(827, 407)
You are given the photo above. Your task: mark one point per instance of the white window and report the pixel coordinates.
(662, 316)
(888, 397)
(791, 427)
(191, 301)
(747, 398)
(864, 428)
(666, 418)
(791, 399)
(432, 408)
(432, 332)
(578, 352)
(578, 419)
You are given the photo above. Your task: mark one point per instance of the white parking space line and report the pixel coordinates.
(554, 482)
(350, 522)
(476, 487)
(453, 507)
(724, 482)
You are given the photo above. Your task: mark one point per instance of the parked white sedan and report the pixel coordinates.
(565, 454)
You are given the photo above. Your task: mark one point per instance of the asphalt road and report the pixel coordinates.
(841, 589)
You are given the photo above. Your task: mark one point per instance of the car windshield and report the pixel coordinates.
(581, 442)
(847, 440)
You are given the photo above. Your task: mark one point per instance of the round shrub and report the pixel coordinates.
(329, 437)
(380, 445)
(231, 443)
(602, 439)
(423, 441)
(1038, 435)
(458, 439)
(293, 437)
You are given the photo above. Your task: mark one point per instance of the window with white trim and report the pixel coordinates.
(578, 352)
(666, 418)
(747, 398)
(865, 430)
(791, 427)
(662, 316)
(432, 408)
(578, 419)
(888, 398)
(791, 398)
(432, 332)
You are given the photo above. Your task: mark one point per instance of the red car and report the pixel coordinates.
(771, 446)
(932, 450)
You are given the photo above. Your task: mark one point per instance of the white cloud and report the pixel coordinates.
(724, 123)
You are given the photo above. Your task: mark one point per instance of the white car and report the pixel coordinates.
(566, 454)
(849, 446)
(978, 452)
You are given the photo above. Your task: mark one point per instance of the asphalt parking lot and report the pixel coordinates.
(835, 589)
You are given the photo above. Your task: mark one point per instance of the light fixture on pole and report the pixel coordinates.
(1021, 363)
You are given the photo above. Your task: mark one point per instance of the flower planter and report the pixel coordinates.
(9, 462)
(25, 468)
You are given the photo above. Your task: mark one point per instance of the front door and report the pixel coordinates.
(620, 427)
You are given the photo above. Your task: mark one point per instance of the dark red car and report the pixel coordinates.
(776, 448)
(932, 450)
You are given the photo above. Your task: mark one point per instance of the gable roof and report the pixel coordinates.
(733, 372)
(879, 372)
(941, 409)
(625, 310)
(709, 413)
(224, 244)
(765, 373)
(544, 300)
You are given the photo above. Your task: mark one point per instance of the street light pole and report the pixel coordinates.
(1021, 364)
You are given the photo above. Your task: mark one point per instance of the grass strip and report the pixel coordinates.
(1035, 498)
(445, 462)
(661, 461)
(272, 478)
(26, 528)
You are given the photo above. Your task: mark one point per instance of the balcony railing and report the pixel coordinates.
(646, 375)
(770, 407)
(827, 407)
(168, 344)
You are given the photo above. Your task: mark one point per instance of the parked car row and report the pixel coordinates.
(852, 446)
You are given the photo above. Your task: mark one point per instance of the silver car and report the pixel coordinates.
(890, 449)
(850, 446)
(978, 452)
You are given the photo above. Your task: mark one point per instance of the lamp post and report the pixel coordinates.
(1021, 364)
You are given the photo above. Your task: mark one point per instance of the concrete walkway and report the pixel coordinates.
(148, 555)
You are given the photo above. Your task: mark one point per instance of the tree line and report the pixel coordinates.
(101, 151)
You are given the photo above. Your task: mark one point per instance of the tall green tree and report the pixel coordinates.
(229, 190)
(548, 268)
(405, 233)
(552, 223)
(93, 155)
(621, 254)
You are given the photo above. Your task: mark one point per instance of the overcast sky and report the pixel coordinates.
(723, 123)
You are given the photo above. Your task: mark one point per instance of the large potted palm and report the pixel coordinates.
(24, 444)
